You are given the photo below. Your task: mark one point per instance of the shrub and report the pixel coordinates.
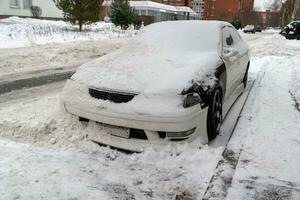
(36, 11)
(80, 12)
(121, 14)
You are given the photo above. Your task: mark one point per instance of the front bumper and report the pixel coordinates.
(76, 100)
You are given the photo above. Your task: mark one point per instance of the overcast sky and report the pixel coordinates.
(262, 4)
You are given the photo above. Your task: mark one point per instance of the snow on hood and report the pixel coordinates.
(164, 58)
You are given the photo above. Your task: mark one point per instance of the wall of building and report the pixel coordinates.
(221, 10)
(246, 11)
(49, 10)
(198, 6)
(266, 18)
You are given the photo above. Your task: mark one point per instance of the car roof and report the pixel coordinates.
(184, 35)
(188, 25)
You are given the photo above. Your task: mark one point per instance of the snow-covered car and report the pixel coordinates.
(249, 29)
(173, 83)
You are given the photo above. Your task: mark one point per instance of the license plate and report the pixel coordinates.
(120, 132)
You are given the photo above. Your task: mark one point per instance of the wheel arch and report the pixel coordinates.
(221, 75)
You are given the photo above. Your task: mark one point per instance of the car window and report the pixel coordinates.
(227, 38)
(235, 36)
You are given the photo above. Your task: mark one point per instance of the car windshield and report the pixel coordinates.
(181, 36)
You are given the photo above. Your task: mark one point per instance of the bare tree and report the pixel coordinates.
(276, 5)
(296, 9)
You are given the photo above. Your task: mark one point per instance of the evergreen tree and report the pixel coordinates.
(121, 14)
(79, 12)
(237, 23)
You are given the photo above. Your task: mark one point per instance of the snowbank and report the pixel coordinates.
(271, 30)
(54, 55)
(61, 154)
(20, 32)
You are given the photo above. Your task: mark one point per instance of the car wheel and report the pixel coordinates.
(214, 116)
(298, 37)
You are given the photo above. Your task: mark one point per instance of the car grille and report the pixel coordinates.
(113, 96)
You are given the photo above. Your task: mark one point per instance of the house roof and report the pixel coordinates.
(150, 5)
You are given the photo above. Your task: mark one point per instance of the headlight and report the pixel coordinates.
(183, 134)
(191, 99)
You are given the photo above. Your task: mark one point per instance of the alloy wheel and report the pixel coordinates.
(217, 109)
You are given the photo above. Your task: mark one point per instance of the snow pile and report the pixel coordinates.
(164, 58)
(45, 125)
(92, 172)
(19, 32)
(54, 55)
(27, 171)
(271, 30)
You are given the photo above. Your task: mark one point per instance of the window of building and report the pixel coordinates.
(14, 3)
(27, 4)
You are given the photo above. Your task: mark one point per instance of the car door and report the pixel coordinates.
(243, 55)
(230, 56)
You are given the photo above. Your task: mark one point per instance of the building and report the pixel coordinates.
(198, 7)
(221, 10)
(23, 8)
(187, 3)
(246, 11)
(228, 10)
(266, 18)
(150, 11)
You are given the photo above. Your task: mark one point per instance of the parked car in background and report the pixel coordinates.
(292, 31)
(174, 83)
(258, 28)
(249, 29)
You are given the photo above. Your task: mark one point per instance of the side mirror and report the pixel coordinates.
(230, 52)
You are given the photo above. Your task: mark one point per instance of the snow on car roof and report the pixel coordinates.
(165, 57)
(196, 35)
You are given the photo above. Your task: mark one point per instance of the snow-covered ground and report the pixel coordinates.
(33, 44)
(20, 32)
(46, 154)
(41, 57)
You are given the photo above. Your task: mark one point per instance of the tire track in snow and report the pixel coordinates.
(222, 178)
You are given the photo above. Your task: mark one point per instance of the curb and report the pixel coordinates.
(19, 81)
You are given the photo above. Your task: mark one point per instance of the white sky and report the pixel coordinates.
(262, 4)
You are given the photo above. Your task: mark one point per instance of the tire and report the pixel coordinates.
(298, 37)
(245, 79)
(214, 115)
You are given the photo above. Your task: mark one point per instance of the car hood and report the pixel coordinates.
(163, 58)
(149, 70)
